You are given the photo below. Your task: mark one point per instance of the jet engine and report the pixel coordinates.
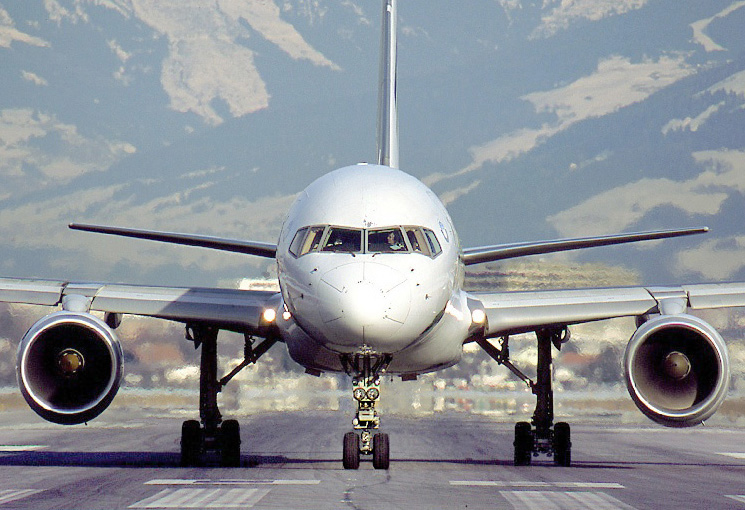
(677, 370)
(69, 367)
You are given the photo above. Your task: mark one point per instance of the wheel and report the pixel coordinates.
(381, 451)
(523, 444)
(351, 456)
(191, 443)
(230, 443)
(562, 445)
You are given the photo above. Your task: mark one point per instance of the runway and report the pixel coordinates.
(128, 459)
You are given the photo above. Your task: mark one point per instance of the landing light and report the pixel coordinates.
(478, 316)
(269, 315)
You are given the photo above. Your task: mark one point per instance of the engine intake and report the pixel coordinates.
(677, 370)
(69, 367)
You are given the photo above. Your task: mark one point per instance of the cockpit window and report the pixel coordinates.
(417, 241)
(325, 238)
(343, 240)
(386, 240)
(297, 241)
(434, 244)
(312, 240)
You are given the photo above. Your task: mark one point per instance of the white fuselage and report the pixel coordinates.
(369, 261)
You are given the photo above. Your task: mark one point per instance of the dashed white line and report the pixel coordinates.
(736, 455)
(13, 448)
(739, 498)
(203, 498)
(547, 500)
(178, 481)
(6, 496)
(531, 484)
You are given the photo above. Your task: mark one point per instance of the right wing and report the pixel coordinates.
(519, 312)
(238, 310)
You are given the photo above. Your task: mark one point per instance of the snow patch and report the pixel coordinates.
(617, 83)
(618, 209)
(699, 28)
(691, 124)
(569, 11)
(9, 33)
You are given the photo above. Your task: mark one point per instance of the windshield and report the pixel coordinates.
(343, 239)
(326, 238)
(385, 241)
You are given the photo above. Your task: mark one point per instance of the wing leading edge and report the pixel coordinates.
(233, 309)
(519, 312)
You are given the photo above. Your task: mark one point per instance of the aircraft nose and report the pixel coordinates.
(364, 302)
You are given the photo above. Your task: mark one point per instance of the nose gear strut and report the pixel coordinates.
(366, 369)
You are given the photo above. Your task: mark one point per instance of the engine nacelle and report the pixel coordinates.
(677, 370)
(69, 367)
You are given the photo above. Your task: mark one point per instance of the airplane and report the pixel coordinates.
(371, 277)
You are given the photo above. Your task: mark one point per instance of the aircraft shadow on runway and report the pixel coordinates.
(172, 459)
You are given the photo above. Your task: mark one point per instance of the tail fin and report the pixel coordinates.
(387, 103)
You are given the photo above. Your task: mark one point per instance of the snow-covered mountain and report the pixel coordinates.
(531, 120)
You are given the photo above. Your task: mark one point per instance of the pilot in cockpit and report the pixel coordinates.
(395, 243)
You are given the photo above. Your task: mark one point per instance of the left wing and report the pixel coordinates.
(233, 309)
(520, 312)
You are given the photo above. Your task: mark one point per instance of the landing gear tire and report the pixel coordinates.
(523, 444)
(381, 451)
(230, 444)
(191, 443)
(562, 445)
(351, 454)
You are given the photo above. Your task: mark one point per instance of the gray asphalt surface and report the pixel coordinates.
(129, 459)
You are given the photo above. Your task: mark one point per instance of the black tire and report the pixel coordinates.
(381, 451)
(351, 454)
(562, 445)
(230, 443)
(191, 443)
(523, 444)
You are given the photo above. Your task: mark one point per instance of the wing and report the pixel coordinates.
(239, 310)
(520, 312)
(509, 251)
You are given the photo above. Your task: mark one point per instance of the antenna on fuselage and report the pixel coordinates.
(387, 103)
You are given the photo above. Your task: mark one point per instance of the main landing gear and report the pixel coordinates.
(367, 369)
(213, 437)
(540, 436)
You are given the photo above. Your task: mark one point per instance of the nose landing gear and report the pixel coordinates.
(366, 392)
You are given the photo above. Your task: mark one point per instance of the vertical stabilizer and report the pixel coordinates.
(387, 104)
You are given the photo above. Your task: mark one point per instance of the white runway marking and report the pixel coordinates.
(11, 448)
(6, 496)
(171, 481)
(203, 498)
(543, 500)
(528, 483)
(736, 455)
(740, 498)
